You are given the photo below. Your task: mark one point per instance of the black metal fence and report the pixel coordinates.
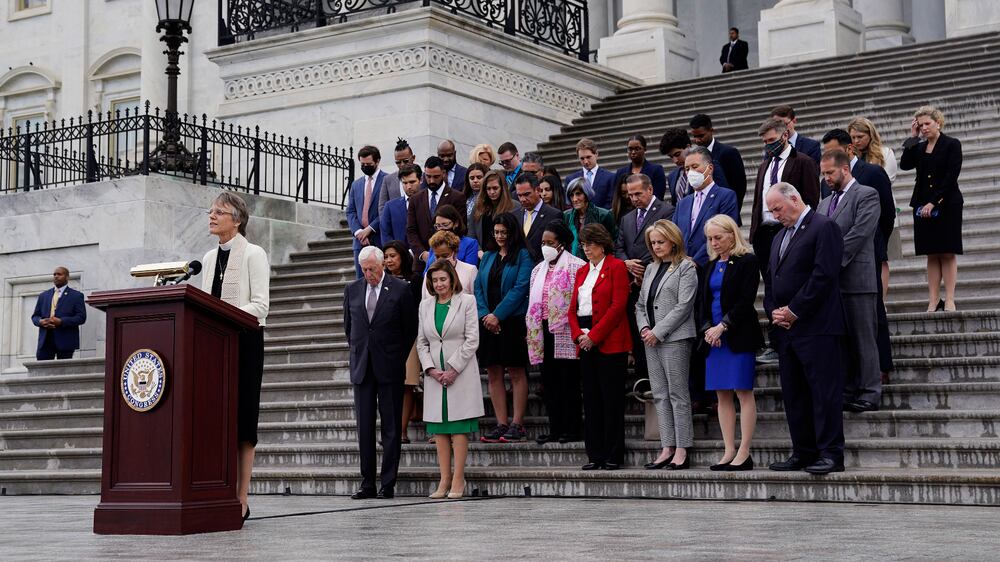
(559, 24)
(106, 146)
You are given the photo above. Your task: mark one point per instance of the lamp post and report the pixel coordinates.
(170, 154)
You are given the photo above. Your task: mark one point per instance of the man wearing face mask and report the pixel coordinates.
(420, 212)
(782, 163)
(362, 203)
(707, 200)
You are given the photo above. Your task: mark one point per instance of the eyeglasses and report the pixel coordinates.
(506, 161)
(443, 226)
(219, 212)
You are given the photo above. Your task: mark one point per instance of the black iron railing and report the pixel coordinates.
(558, 24)
(106, 146)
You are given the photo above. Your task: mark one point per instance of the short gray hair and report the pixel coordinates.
(240, 212)
(706, 156)
(369, 252)
(533, 157)
(786, 189)
(772, 123)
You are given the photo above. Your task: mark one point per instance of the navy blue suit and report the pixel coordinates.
(603, 184)
(720, 200)
(731, 162)
(393, 221)
(655, 173)
(458, 183)
(807, 280)
(356, 205)
(809, 147)
(62, 341)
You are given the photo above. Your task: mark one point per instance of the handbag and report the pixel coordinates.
(651, 425)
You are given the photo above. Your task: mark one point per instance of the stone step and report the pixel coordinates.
(323, 275)
(75, 366)
(974, 303)
(328, 325)
(50, 459)
(300, 302)
(13, 386)
(914, 270)
(52, 401)
(53, 438)
(306, 353)
(52, 419)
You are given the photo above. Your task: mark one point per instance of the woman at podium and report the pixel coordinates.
(238, 273)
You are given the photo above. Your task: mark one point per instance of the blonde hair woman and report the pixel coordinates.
(484, 154)
(728, 296)
(664, 314)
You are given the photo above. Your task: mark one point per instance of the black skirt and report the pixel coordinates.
(941, 234)
(509, 348)
(251, 374)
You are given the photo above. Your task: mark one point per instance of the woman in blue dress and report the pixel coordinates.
(732, 330)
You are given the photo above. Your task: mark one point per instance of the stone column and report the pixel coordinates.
(648, 43)
(885, 25)
(798, 30)
(969, 17)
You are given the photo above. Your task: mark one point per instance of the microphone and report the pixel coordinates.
(193, 268)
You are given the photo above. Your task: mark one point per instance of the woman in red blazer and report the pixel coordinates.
(598, 324)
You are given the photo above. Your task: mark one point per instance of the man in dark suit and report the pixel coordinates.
(631, 248)
(802, 301)
(707, 200)
(729, 158)
(855, 209)
(805, 145)
(674, 144)
(420, 212)
(782, 163)
(391, 189)
(734, 53)
(454, 170)
(393, 218)
(362, 202)
(380, 321)
(534, 214)
(59, 313)
(601, 181)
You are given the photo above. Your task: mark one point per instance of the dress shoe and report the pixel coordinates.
(439, 494)
(453, 495)
(720, 466)
(592, 466)
(386, 494)
(364, 494)
(792, 463)
(545, 438)
(859, 406)
(611, 466)
(745, 465)
(940, 306)
(658, 465)
(824, 466)
(682, 466)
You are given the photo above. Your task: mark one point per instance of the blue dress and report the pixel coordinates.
(725, 369)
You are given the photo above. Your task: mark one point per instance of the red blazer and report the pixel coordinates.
(610, 304)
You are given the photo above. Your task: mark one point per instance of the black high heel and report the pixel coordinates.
(940, 306)
(247, 514)
(658, 465)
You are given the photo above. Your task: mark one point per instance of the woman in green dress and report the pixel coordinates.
(453, 395)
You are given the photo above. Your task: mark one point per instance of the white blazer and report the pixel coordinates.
(459, 340)
(255, 275)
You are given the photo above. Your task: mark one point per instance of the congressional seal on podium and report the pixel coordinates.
(143, 380)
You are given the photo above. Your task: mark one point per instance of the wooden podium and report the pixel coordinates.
(169, 466)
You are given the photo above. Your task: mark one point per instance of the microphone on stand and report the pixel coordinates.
(193, 268)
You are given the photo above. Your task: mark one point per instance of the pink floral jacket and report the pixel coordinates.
(560, 290)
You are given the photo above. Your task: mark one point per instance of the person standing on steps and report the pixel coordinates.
(734, 53)
(635, 150)
(936, 202)
(453, 394)
(59, 313)
(362, 203)
(422, 207)
(399, 264)
(805, 145)
(380, 322)
(601, 181)
(392, 187)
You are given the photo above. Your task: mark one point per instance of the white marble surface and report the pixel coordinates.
(808, 29)
(968, 17)
(100, 230)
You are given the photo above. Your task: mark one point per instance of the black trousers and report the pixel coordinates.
(812, 389)
(385, 399)
(638, 348)
(763, 237)
(48, 350)
(603, 380)
(561, 378)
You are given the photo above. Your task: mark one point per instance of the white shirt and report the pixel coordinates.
(710, 145)
(584, 299)
(766, 214)
(794, 137)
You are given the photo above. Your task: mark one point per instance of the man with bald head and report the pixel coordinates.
(59, 312)
(802, 301)
(456, 172)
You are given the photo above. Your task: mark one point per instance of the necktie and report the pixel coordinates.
(833, 204)
(682, 185)
(434, 202)
(55, 299)
(789, 233)
(696, 208)
(729, 55)
(590, 179)
(527, 221)
(369, 185)
(370, 304)
(774, 170)
(639, 219)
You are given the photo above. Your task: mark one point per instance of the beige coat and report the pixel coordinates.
(460, 340)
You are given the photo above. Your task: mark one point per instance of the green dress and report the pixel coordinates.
(446, 427)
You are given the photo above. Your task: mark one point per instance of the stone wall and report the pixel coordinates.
(100, 230)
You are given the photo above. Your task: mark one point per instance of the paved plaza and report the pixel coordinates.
(317, 527)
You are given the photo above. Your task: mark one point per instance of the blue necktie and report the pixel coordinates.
(434, 202)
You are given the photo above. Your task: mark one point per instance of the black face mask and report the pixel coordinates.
(369, 169)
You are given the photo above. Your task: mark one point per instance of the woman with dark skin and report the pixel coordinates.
(399, 264)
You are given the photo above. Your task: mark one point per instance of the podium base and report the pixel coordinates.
(186, 518)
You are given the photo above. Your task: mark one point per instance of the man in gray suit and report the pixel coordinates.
(855, 208)
(391, 188)
(631, 249)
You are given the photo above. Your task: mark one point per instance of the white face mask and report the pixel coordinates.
(695, 178)
(549, 253)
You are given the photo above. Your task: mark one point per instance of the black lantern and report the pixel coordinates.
(170, 154)
(175, 10)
